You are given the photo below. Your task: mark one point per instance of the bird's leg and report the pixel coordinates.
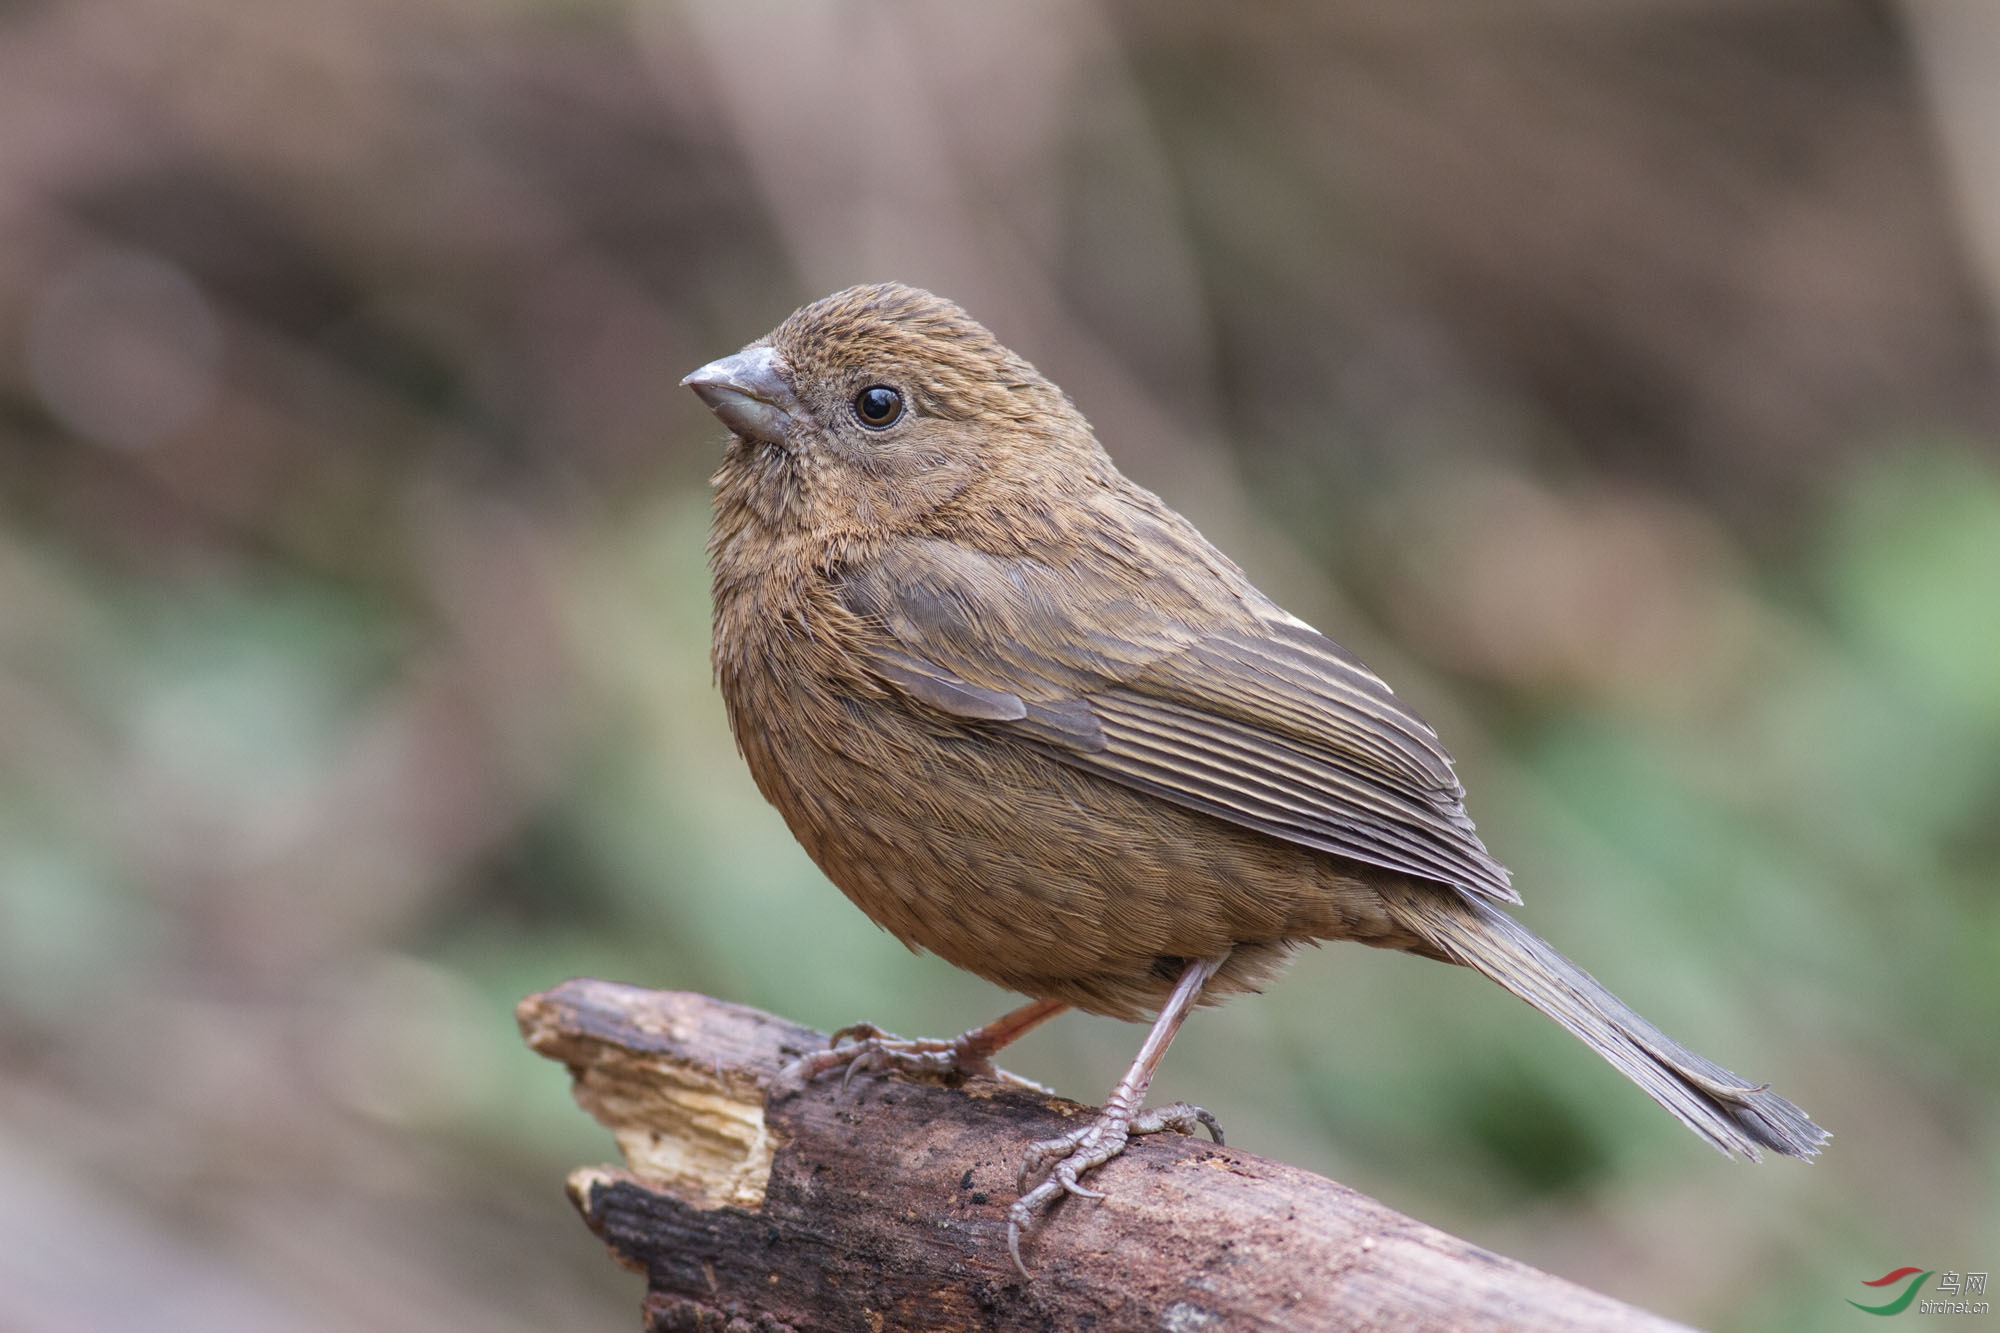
(864, 1048)
(1060, 1161)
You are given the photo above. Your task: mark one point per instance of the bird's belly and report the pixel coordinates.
(1050, 881)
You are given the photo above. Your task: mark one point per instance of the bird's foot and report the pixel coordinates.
(864, 1048)
(1060, 1163)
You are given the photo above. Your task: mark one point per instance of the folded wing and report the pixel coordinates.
(1261, 721)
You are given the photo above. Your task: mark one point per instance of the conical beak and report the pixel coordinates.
(750, 394)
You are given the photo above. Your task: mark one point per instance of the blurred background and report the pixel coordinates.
(1617, 378)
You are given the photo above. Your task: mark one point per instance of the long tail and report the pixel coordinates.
(1733, 1115)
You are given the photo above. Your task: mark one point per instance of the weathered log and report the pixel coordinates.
(752, 1202)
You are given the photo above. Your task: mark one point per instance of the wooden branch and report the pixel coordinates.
(752, 1203)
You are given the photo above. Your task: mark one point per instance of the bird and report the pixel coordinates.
(1029, 720)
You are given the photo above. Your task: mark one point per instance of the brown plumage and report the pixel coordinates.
(1028, 719)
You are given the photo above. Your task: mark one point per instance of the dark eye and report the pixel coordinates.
(878, 406)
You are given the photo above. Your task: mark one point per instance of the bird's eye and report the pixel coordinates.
(878, 406)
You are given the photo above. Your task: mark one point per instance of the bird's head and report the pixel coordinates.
(874, 408)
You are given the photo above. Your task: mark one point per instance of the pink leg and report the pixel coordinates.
(865, 1048)
(1060, 1161)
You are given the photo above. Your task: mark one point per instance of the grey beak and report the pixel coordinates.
(750, 394)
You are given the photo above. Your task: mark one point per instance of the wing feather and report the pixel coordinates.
(1261, 721)
(1287, 790)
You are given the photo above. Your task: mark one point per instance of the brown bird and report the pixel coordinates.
(1026, 718)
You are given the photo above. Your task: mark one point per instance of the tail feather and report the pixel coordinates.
(1734, 1115)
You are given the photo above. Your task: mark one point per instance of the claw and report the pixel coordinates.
(1021, 1217)
(1059, 1164)
(1070, 1186)
(857, 1032)
(1180, 1118)
(1213, 1126)
(1014, 1243)
(863, 1048)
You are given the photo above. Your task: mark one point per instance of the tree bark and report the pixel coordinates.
(754, 1203)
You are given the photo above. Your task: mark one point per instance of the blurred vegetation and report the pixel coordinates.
(1618, 382)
